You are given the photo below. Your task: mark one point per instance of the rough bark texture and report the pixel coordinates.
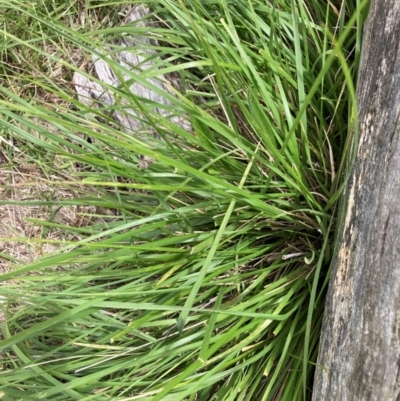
(359, 356)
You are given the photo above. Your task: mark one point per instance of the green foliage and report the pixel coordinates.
(208, 283)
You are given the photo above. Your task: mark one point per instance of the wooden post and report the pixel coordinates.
(359, 356)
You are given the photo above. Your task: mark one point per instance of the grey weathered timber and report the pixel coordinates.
(136, 60)
(359, 357)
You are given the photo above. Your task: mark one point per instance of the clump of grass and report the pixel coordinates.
(208, 280)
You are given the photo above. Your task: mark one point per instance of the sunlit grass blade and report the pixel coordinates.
(200, 274)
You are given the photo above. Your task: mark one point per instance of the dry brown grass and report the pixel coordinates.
(24, 179)
(21, 240)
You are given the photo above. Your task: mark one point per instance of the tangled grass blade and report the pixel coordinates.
(171, 177)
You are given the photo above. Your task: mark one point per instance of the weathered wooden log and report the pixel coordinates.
(137, 59)
(359, 356)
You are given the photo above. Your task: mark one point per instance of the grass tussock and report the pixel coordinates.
(201, 277)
